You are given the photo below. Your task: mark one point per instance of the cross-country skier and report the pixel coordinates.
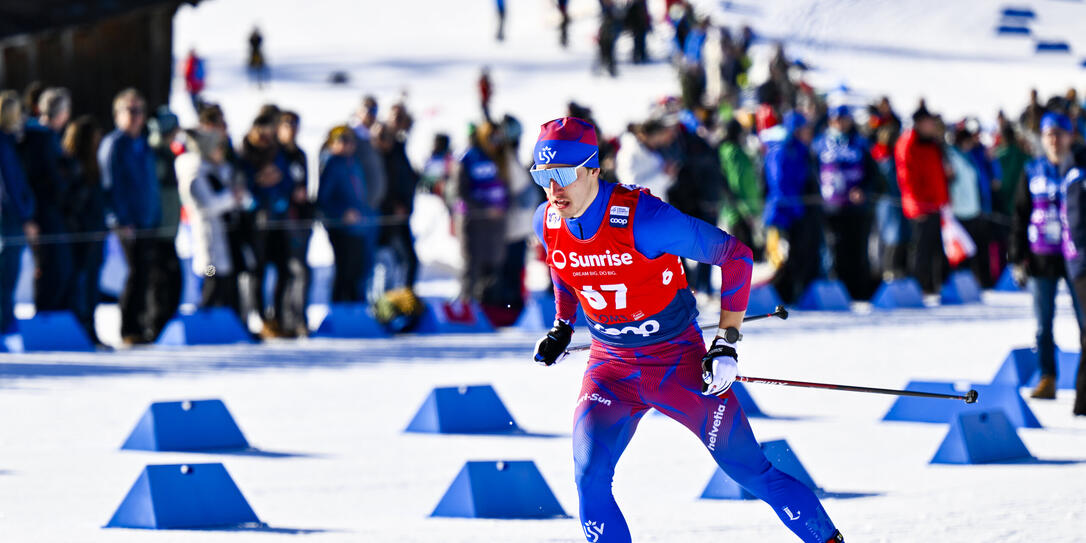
(616, 250)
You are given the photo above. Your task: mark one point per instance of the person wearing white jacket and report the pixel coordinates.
(208, 187)
(638, 163)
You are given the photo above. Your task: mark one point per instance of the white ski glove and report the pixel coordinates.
(719, 368)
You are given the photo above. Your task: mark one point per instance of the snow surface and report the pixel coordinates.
(336, 411)
(330, 414)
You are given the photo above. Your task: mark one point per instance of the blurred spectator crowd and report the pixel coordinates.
(818, 184)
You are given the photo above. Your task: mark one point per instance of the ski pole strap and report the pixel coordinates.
(968, 397)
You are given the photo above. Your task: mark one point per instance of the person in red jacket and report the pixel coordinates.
(194, 78)
(922, 178)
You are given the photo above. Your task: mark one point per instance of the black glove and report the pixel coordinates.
(552, 348)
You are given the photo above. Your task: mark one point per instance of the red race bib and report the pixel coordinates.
(613, 281)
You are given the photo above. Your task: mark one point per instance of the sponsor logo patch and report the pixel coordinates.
(594, 397)
(546, 155)
(605, 260)
(592, 531)
(620, 216)
(558, 259)
(718, 418)
(554, 220)
(646, 329)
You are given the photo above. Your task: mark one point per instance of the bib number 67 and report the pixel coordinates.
(596, 300)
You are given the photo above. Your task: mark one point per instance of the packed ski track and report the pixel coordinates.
(333, 462)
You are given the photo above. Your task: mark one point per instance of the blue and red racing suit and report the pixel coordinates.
(620, 261)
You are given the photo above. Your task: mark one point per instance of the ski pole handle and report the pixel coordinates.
(780, 312)
(968, 397)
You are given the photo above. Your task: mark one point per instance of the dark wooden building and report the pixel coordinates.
(95, 48)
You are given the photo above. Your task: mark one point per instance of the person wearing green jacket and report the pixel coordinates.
(742, 211)
(1012, 157)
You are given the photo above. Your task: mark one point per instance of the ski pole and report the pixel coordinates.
(780, 312)
(968, 397)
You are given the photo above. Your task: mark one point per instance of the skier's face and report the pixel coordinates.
(573, 199)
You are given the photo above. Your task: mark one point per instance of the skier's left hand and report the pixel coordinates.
(720, 367)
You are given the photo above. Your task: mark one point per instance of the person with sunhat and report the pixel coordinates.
(616, 250)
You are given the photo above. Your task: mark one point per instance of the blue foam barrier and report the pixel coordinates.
(1018, 13)
(53, 331)
(960, 288)
(779, 453)
(539, 311)
(825, 295)
(747, 402)
(1066, 371)
(537, 315)
(763, 300)
(1022, 368)
(899, 294)
(936, 410)
(186, 426)
(1006, 282)
(1053, 47)
(1017, 368)
(453, 317)
(1012, 30)
(350, 321)
(206, 326)
(499, 489)
(980, 438)
(183, 496)
(463, 410)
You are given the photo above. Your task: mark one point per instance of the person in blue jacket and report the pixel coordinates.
(791, 209)
(127, 166)
(54, 284)
(350, 221)
(17, 225)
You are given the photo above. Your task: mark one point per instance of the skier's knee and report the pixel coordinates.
(593, 476)
(757, 480)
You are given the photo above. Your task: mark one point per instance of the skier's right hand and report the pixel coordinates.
(551, 349)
